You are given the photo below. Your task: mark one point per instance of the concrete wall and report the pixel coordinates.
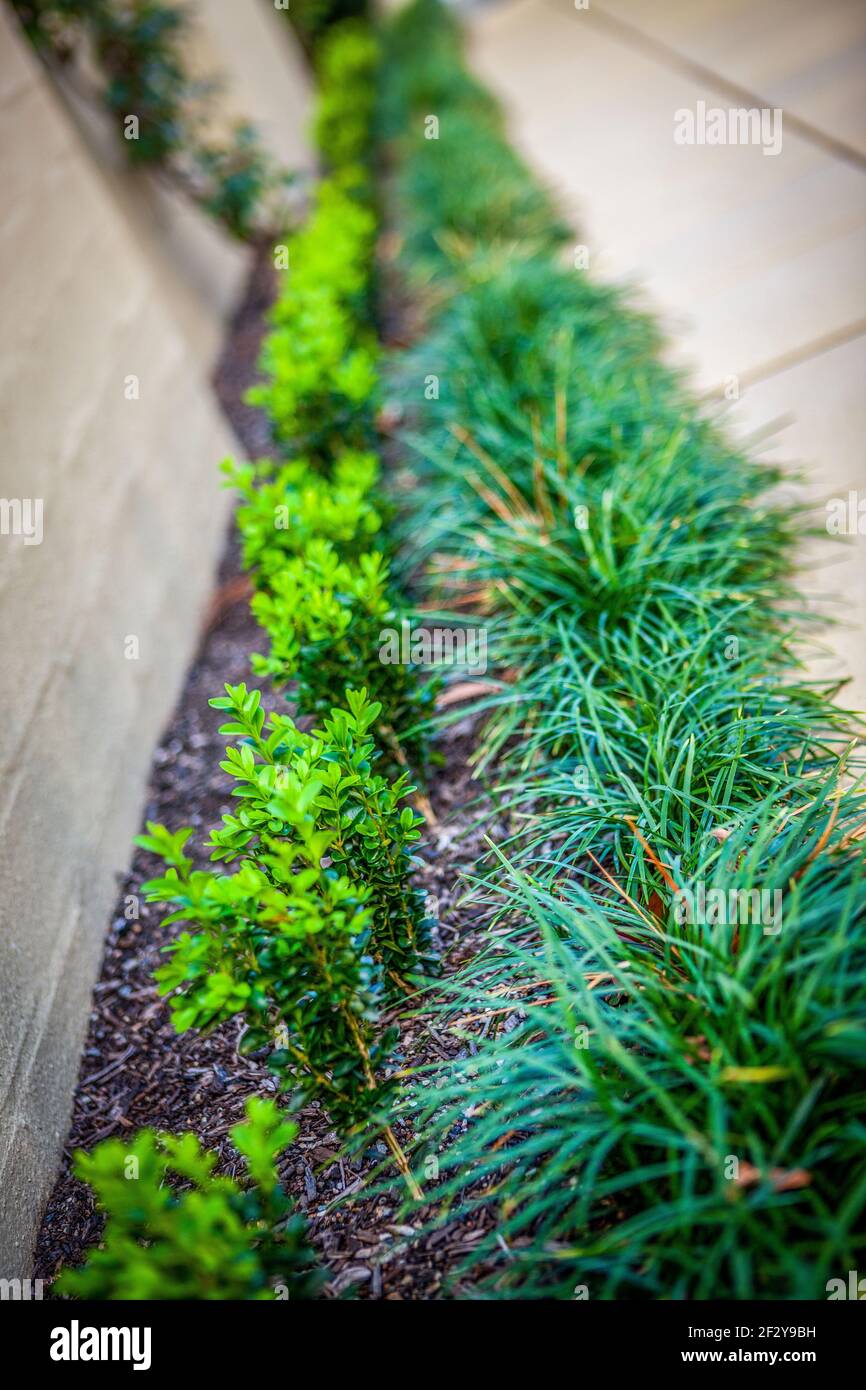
(132, 524)
(249, 48)
(267, 78)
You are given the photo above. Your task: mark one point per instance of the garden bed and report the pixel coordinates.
(613, 1098)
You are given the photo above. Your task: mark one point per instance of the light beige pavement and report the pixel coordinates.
(755, 262)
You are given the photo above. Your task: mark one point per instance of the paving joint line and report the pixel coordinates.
(669, 56)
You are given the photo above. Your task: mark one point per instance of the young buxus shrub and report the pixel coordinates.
(370, 834)
(211, 1238)
(347, 61)
(285, 506)
(319, 359)
(318, 926)
(324, 597)
(325, 618)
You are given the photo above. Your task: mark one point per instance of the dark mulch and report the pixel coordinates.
(136, 1071)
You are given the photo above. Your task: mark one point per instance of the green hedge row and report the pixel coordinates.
(316, 931)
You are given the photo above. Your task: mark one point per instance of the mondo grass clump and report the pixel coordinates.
(675, 1109)
(470, 185)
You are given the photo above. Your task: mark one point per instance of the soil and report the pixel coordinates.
(135, 1071)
